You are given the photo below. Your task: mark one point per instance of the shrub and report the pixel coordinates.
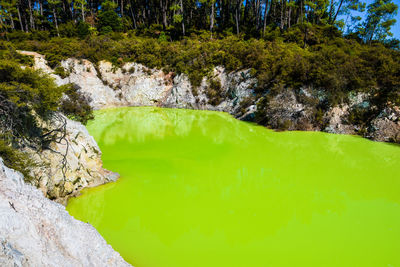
(214, 92)
(16, 160)
(108, 19)
(68, 29)
(61, 72)
(83, 29)
(76, 104)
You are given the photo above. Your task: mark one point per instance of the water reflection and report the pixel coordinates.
(201, 188)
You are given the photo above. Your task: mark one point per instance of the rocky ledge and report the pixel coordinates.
(69, 165)
(35, 231)
(136, 85)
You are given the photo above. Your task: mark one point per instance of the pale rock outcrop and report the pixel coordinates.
(235, 87)
(84, 74)
(39, 62)
(181, 94)
(286, 112)
(82, 165)
(386, 126)
(335, 120)
(136, 85)
(35, 231)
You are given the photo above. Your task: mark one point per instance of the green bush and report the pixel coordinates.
(214, 92)
(76, 105)
(61, 72)
(16, 160)
(329, 63)
(83, 29)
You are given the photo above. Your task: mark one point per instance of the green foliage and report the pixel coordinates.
(61, 72)
(27, 89)
(7, 51)
(83, 29)
(16, 160)
(214, 92)
(68, 29)
(380, 20)
(108, 19)
(76, 105)
(328, 62)
(29, 99)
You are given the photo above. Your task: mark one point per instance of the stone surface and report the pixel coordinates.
(136, 85)
(386, 127)
(335, 120)
(35, 231)
(83, 165)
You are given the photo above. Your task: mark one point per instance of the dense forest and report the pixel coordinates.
(251, 18)
(336, 46)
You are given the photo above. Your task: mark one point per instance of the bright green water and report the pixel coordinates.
(200, 188)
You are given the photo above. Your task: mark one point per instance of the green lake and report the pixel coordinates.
(200, 188)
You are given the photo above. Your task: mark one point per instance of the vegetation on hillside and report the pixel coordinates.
(28, 100)
(336, 46)
(177, 18)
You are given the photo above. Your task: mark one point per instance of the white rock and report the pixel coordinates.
(83, 163)
(35, 231)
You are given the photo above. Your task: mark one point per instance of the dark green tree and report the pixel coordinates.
(108, 18)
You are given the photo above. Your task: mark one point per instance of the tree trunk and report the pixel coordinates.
(258, 14)
(122, 8)
(26, 24)
(55, 21)
(265, 17)
(211, 17)
(32, 22)
(164, 13)
(301, 11)
(41, 8)
(133, 17)
(237, 16)
(72, 12)
(281, 23)
(19, 18)
(183, 19)
(372, 35)
(4, 26)
(12, 22)
(337, 12)
(83, 12)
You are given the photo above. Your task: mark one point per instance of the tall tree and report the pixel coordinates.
(380, 20)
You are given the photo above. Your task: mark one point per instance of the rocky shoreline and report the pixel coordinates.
(136, 85)
(36, 231)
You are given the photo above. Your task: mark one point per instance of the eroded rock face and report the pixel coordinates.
(386, 126)
(35, 231)
(284, 111)
(335, 118)
(136, 85)
(69, 165)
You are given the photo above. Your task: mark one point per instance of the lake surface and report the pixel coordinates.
(200, 188)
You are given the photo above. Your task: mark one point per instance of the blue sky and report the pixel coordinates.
(395, 28)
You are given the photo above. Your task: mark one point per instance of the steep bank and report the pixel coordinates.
(69, 165)
(232, 92)
(35, 231)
